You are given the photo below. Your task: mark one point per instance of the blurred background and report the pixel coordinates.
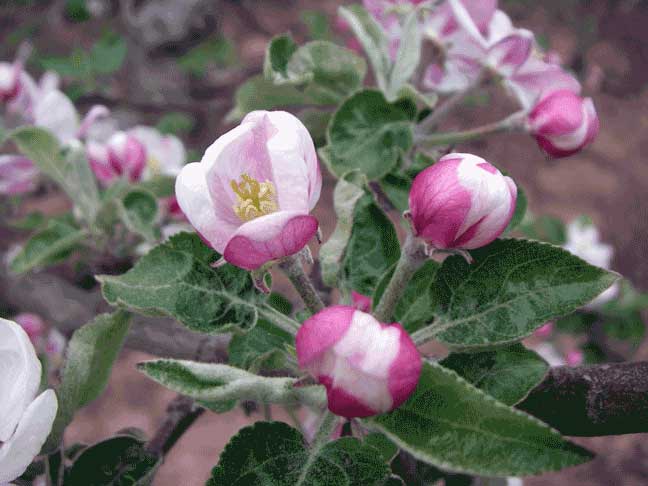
(176, 64)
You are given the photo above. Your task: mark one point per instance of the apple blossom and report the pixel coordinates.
(165, 154)
(33, 325)
(545, 331)
(25, 419)
(367, 367)
(18, 175)
(563, 123)
(122, 155)
(361, 302)
(9, 81)
(574, 357)
(584, 241)
(461, 202)
(251, 194)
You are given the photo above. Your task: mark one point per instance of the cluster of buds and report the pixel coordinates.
(25, 419)
(474, 39)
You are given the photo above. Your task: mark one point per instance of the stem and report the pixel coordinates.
(293, 269)
(412, 258)
(280, 320)
(430, 123)
(322, 437)
(424, 334)
(510, 123)
(182, 412)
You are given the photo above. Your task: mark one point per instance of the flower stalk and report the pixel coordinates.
(294, 270)
(412, 258)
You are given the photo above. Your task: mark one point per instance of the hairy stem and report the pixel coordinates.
(510, 123)
(294, 270)
(322, 437)
(444, 109)
(412, 258)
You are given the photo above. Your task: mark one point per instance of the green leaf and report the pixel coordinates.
(119, 461)
(408, 55)
(512, 288)
(175, 279)
(327, 72)
(577, 323)
(219, 383)
(388, 450)
(507, 374)
(317, 24)
(348, 191)
(372, 38)
(259, 93)
(418, 304)
(273, 453)
(90, 356)
(451, 424)
(139, 212)
(371, 250)
(108, 53)
(48, 247)
(72, 173)
(316, 121)
(260, 348)
(428, 100)
(160, 186)
(544, 228)
(176, 123)
(369, 134)
(215, 53)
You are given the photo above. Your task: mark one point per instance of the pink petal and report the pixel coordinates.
(270, 237)
(321, 331)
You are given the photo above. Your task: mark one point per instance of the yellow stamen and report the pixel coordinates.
(154, 165)
(253, 198)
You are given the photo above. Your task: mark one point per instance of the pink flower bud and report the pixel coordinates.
(122, 156)
(461, 202)
(563, 123)
(545, 331)
(18, 175)
(361, 302)
(33, 325)
(574, 357)
(251, 194)
(367, 367)
(9, 81)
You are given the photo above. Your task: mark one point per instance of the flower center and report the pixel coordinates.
(254, 198)
(154, 165)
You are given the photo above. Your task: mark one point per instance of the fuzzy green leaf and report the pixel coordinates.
(507, 374)
(274, 454)
(451, 424)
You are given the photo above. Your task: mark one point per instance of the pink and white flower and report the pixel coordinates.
(461, 202)
(367, 367)
(165, 154)
(33, 325)
(563, 123)
(361, 302)
(122, 156)
(251, 194)
(18, 175)
(25, 419)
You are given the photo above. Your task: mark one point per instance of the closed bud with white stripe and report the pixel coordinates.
(367, 367)
(563, 123)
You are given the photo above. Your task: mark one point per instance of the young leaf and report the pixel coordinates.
(219, 383)
(47, 247)
(520, 210)
(511, 289)
(259, 93)
(408, 55)
(73, 173)
(328, 72)
(348, 191)
(418, 304)
(372, 248)
(89, 359)
(451, 424)
(138, 209)
(119, 461)
(274, 453)
(369, 134)
(507, 374)
(373, 40)
(175, 279)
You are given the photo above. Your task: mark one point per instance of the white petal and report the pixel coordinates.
(56, 113)
(20, 375)
(35, 425)
(167, 151)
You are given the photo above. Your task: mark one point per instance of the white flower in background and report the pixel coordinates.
(165, 154)
(550, 354)
(584, 241)
(25, 419)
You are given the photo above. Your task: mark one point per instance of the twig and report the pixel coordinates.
(294, 270)
(182, 412)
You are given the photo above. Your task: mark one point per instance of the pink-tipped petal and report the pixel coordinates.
(510, 53)
(361, 302)
(321, 331)
(269, 238)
